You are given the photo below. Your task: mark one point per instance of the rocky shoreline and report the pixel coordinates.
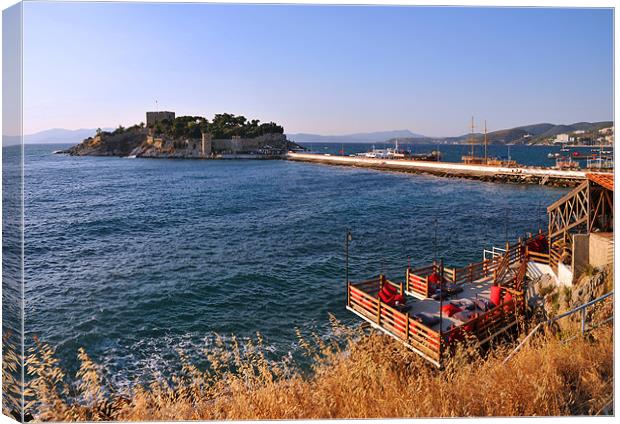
(138, 143)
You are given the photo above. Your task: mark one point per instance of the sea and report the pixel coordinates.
(136, 260)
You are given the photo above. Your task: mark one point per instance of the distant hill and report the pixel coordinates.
(533, 133)
(61, 135)
(11, 140)
(517, 135)
(369, 137)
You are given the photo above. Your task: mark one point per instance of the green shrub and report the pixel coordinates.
(588, 270)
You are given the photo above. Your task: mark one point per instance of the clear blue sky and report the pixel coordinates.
(319, 69)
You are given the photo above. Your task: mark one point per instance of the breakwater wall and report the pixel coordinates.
(522, 175)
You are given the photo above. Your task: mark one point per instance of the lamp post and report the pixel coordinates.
(347, 240)
(435, 240)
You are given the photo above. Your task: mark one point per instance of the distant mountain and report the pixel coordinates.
(533, 133)
(11, 140)
(61, 135)
(370, 137)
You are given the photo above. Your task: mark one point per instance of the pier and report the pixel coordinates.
(516, 174)
(437, 307)
(424, 327)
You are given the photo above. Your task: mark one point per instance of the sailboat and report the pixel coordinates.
(471, 158)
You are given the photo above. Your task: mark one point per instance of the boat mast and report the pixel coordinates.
(471, 140)
(485, 142)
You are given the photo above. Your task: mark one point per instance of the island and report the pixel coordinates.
(165, 135)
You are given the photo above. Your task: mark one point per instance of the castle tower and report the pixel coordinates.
(206, 146)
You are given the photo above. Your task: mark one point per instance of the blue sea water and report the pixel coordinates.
(133, 259)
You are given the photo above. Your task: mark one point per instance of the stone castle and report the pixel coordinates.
(205, 147)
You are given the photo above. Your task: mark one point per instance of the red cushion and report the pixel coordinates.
(433, 278)
(539, 244)
(389, 289)
(449, 309)
(400, 299)
(508, 298)
(386, 297)
(496, 294)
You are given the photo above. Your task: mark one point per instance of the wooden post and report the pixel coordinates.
(401, 288)
(440, 310)
(407, 328)
(407, 279)
(379, 312)
(471, 277)
(348, 294)
(524, 300)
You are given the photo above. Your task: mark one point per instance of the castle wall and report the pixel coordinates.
(205, 147)
(247, 145)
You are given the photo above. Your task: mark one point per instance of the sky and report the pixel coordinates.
(316, 69)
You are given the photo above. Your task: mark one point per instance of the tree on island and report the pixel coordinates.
(223, 126)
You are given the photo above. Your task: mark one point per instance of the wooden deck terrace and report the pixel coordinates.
(496, 269)
(437, 341)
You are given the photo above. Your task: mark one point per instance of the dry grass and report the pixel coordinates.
(11, 378)
(355, 375)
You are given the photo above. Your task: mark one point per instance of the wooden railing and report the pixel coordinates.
(501, 270)
(490, 324)
(426, 342)
(519, 279)
(556, 250)
(513, 254)
(416, 280)
(397, 324)
(475, 271)
(362, 299)
(541, 258)
(449, 274)
(497, 267)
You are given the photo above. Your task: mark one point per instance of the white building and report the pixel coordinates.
(561, 138)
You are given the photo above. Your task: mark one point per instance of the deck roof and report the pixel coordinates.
(604, 180)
